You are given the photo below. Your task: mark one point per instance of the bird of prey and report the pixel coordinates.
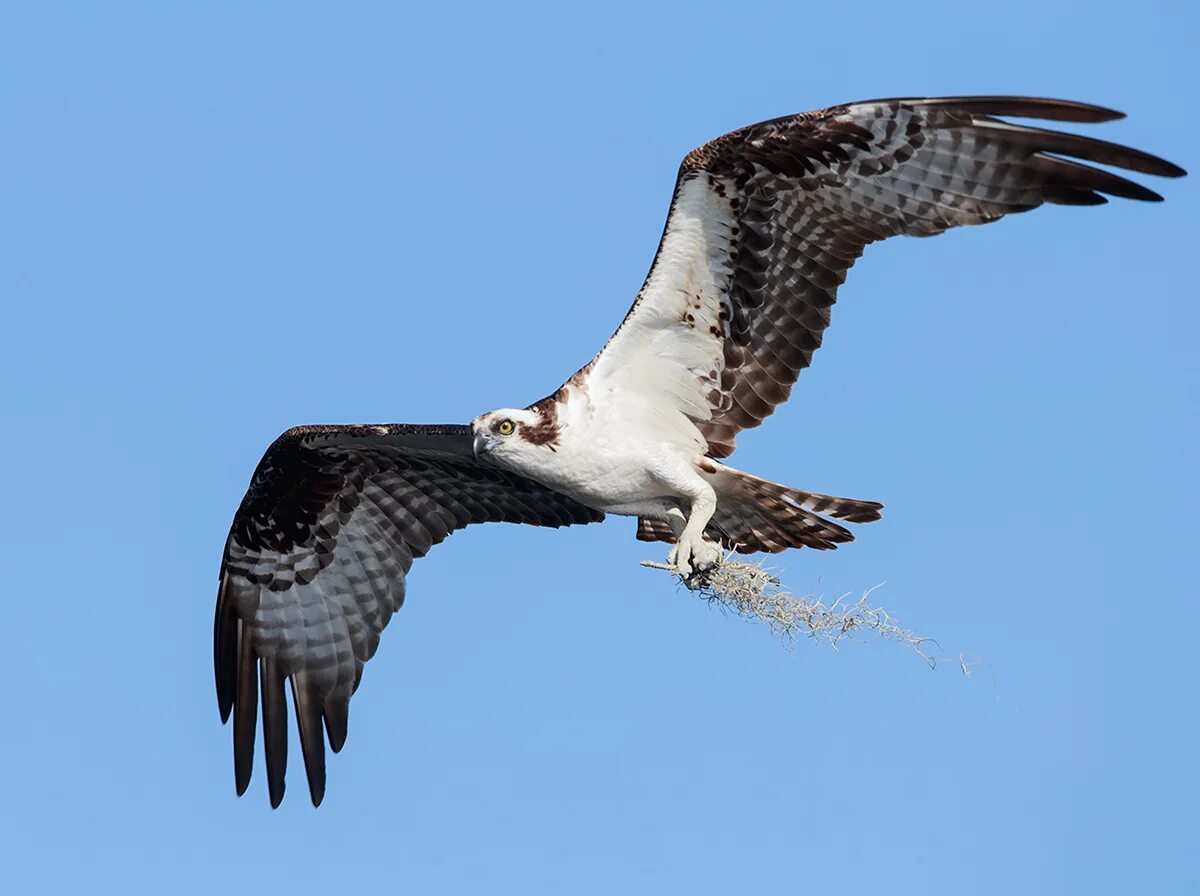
(763, 225)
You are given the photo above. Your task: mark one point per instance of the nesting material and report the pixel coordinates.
(751, 592)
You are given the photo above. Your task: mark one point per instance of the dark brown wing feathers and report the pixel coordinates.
(809, 192)
(315, 563)
(275, 731)
(245, 700)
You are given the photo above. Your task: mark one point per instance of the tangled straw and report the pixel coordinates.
(749, 591)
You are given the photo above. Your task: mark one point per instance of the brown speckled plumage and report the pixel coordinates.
(315, 567)
(809, 192)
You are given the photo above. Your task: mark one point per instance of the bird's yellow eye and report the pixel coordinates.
(505, 427)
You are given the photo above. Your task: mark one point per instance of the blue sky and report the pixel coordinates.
(220, 221)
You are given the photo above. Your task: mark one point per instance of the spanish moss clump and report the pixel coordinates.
(749, 591)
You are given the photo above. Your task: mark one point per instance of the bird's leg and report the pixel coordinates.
(692, 553)
(676, 519)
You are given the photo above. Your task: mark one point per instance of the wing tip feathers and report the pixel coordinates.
(312, 735)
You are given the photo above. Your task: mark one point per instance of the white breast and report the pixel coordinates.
(611, 455)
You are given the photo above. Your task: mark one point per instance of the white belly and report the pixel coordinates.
(611, 478)
(612, 463)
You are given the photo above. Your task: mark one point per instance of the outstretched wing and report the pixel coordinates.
(315, 563)
(766, 221)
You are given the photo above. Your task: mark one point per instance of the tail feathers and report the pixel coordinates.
(773, 523)
(654, 530)
(754, 514)
(748, 529)
(849, 509)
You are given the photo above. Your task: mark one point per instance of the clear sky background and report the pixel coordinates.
(219, 221)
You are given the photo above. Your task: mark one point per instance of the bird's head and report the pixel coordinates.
(515, 438)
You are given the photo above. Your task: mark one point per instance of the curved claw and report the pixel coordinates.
(694, 555)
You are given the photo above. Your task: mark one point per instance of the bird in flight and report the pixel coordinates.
(763, 226)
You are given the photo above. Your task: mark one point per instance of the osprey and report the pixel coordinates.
(763, 226)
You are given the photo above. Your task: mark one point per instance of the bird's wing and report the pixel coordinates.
(315, 563)
(766, 221)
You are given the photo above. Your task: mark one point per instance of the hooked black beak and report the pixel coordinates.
(483, 444)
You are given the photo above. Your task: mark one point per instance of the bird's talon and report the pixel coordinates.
(694, 557)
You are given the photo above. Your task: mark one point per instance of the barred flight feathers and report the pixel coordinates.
(315, 565)
(766, 221)
(755, 514)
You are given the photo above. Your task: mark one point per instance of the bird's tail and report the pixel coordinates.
(754, 514)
